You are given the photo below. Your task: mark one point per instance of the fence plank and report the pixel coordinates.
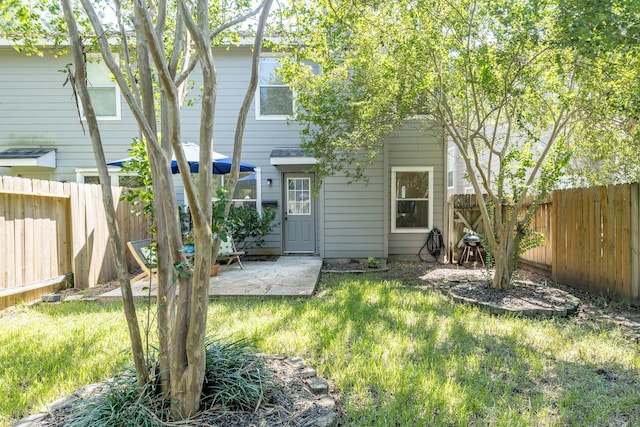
(569, 233)
(634, 201)
(19, 234)
(623, 249)
(595, 254)
(3, 240)
(555, 201)
(609, 241)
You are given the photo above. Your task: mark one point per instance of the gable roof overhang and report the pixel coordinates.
(29, 157)
(291, 157)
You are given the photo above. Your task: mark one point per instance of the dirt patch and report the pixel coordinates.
(92, 292)
(353, 266)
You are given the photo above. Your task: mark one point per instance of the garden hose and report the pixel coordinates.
(434, 245)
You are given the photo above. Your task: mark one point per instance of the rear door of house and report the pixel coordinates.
(299, 215)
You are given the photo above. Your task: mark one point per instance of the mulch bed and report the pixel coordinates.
(524, 298)
(289, 404)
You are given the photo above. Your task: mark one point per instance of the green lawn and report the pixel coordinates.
(397, 355)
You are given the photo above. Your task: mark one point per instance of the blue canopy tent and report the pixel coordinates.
(220, 165)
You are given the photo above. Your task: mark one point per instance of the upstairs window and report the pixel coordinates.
(274, 100)
(104, 92)
(412, 199)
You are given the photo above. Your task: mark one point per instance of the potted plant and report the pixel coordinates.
(188, 243)
(214, 269)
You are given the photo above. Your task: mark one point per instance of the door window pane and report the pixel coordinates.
(298, 196)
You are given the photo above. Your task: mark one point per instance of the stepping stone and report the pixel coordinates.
(318, 385)
(327, 401)
(307, 373)
(296, 362)
(329, 420)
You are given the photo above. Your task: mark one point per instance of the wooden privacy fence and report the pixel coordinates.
(540, 257)
(596, 241)
(592, 238)
(49, 229)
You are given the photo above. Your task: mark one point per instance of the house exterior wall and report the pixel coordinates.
(352, 220)
(36, 110)
(418, 145)
(356, 221)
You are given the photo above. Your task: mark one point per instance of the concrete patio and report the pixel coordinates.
(286, 276)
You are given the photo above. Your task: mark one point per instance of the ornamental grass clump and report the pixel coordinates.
(121, 403)
(236, 379)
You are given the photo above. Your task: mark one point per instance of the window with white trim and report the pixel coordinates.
(104, 92)
(412, 199)
(90, 176)
(248, 191)
(274, 100)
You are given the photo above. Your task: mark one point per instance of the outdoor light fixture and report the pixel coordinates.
(269, 182)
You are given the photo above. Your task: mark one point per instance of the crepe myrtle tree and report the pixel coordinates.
(606, 35)
(151, 50)
(490, 74)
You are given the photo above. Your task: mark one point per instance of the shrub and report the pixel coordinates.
(248, 227)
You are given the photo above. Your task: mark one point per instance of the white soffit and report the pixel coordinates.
(28, 157)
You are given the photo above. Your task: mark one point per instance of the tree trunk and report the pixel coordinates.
(503, 271)
(79, 82)
(503, 254)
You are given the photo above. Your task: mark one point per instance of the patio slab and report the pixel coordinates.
(286, 276)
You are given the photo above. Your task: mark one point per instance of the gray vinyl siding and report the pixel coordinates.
(416, 145)
(353, 216)
(36, 110)
(355, 221)
(260, 136)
